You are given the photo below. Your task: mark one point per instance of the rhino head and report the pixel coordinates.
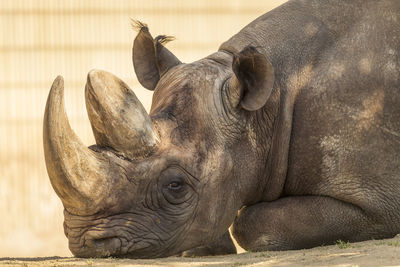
(160, 183)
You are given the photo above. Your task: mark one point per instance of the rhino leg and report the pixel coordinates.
(221, 246)
(303, 222)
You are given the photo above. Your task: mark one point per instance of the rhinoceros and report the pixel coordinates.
(289, 133)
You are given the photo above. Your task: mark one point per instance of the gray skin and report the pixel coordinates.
(295, 122)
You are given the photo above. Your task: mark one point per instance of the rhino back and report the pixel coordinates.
(293, 34)
(338, 63)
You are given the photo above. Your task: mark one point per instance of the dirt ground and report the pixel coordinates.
(369, 253)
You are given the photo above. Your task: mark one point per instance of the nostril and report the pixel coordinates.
(108, 242)
(104, 247)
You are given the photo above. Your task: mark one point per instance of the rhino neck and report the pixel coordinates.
(267, 138)
(263, 144)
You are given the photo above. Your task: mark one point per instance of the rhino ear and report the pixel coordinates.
(150, 57)
(253, 79)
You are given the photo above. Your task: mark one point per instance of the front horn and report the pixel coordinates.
(77, 174)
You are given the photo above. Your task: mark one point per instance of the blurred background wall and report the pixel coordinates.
(44, 38)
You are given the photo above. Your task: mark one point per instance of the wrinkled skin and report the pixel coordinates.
(294, 122)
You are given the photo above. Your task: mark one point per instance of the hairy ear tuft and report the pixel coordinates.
(164, 39)
(139, 26)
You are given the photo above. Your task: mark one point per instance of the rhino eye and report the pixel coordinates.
(175, 186)
(175, 189)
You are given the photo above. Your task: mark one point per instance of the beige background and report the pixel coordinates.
(42, 39)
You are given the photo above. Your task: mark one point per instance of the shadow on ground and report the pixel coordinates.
(369, 253)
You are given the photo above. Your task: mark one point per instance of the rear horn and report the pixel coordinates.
(117, 117)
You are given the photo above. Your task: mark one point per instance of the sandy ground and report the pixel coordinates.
(370, 253)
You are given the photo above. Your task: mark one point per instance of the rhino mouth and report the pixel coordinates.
(107, 245)
(117, 235)
(98, 247)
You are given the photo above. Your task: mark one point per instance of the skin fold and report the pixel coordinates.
(290, 133)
